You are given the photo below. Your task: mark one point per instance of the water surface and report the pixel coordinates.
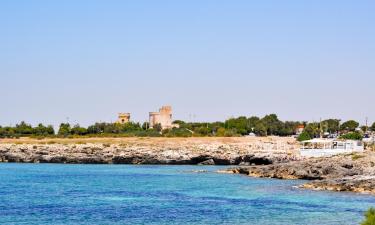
(131, 194)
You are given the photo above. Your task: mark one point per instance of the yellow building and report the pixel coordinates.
(123, 118)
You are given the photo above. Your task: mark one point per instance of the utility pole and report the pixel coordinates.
(321, 129)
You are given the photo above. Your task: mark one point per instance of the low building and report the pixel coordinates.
(123, 118)
(299, 129)
(163, 117)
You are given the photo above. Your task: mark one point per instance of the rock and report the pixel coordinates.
(207, 162)
(211, 151)
(339, 173)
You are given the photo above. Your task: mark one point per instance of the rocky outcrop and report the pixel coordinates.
(340, 173)
(188, 151)
(360, 183)
(259, 157)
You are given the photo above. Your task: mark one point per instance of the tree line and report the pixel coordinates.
(240, 126)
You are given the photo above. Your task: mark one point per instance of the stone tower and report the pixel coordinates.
(164, 117)
(123, 118)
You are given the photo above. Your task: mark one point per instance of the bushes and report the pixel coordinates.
(42, 130)
(352, 136)
(147, 133)
(349, 125)
(222, 132)
(64, 129)
(304, 136)
(268, 125)
(26, 130)
(369, 217)
(356, 156)
(177, 132)
(240, 126)
(77, 130)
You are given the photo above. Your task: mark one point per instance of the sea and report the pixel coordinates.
(164, 194)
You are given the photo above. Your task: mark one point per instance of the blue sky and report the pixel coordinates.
(88, 60)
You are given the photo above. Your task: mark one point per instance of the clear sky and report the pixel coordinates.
(88, 60)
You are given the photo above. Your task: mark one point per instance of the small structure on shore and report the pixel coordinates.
(163, 117)
(329, 147)
(299, 129)
(123, 118)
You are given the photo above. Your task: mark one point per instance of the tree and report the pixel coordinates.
(2, 132)
(214, 127)
(179, 122)
(369, 217)
(289, 128)
(145, 126)
(260, 129)
(272, 124)
(158, 127)
(129, 127)
(7, 132)
(42, 130)
(23, 129)
(240, 124)
(220, 132)
(373, 127)
(203, 131)
(304, 136)
(77, 130)
(352, 136)
(313, 129)
(111, 128)
(64, 129)
(364, 128)
(331, 125)
(252, 122)
(349, 125)
(97, 128)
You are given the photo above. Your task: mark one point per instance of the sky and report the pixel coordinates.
(85, 61)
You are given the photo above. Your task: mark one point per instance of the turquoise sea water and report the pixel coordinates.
(130, 194)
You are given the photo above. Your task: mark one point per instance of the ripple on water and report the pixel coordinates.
(127, 194)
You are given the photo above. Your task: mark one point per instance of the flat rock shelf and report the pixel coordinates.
(354, 173)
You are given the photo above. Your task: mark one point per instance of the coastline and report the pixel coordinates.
(353, 173)
(256, 157)
(203, 151)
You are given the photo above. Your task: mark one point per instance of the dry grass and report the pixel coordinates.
(148, 140)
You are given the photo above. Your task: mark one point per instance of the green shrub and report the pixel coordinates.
(369, 217)
(147, 133)
(349, 125)
(231, 133)
(352, 136)
(220, 132)
(304, 136)
(356, 156)
(177, 132)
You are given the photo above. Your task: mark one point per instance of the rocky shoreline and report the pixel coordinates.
(256, 157)
(355, 173)
(153, 151)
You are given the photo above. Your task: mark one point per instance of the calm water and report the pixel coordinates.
(127, 194)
